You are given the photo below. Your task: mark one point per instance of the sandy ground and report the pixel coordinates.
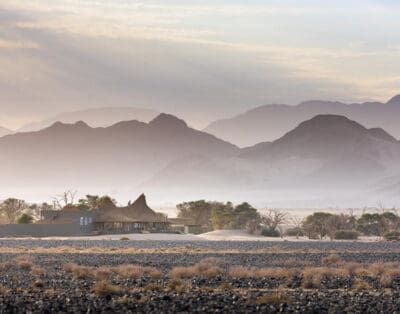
(219, 235)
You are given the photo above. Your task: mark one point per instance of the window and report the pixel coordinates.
(81, 221)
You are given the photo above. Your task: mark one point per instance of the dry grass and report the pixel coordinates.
(24, 262)
(80, 272)
(331, 260)
(38, 271)
(25, 265)
(268, 272)
(178, 286)
(4, 290)
(103, 273)
(153, 287)
(207, 268)
(361, 285)
(376, 269)
(6, 265)
(136, 272)
(103, 288)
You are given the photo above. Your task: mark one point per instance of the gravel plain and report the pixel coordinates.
(37, 282)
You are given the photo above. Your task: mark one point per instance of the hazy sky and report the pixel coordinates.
(200, 59)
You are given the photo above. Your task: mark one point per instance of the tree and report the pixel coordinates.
(25, 219)
(316, 225)
(64, 200)
(36, 209)
(11, 208)
(378, 224)
(222, 216)
(226, 216)
(272, 220)
(370, 224)
(199, 211)
(297, 223)
(244, 215)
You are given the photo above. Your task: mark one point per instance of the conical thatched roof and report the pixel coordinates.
(138, 211)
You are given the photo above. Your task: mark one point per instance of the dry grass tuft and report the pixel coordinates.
(103, 273)
(376, 269)
(331, 260)
(25, 265)
(38, 271)
(103, 288)
(4, 290)
(361, 285)
(268, 272)
(178, 286)
(79, 272)
(136, 272)
(153, 287)
(6, 265)
(204, 268)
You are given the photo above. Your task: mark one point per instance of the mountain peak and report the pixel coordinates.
(61, 125)
(165, 120)
(327, 120)
(394, 101)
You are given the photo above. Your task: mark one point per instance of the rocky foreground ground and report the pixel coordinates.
(47, 276)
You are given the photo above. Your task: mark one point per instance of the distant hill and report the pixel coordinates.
(123, 154)
(330, 147)
(326, 157)
(269, 122)
(4, 131)
(96, 117)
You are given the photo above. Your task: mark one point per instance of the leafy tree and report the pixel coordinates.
(199, 211)
(11, 208)
(222, 216)
(25, 219)
(317, 224)
(226, 216)
(378, 224)
(370, 224)
(244, 214)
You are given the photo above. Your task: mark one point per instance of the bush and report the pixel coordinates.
(346, 235)
(392, 236)
(294, 232)
(25, 219)
(270, 233)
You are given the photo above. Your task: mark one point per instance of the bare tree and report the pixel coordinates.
(67, 198)
(12, 208)
(274, 219)
(297, 223)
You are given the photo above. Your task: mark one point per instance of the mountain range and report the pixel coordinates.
(269, 122)
(95, 117)
(325, 158)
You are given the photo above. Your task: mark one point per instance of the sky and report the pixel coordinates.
(200, 60)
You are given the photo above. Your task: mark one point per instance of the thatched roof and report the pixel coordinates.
(138, 211)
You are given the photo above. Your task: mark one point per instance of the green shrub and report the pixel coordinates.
(270, 233)
(392, 236)
(294, 232)
(25, 219)
(346, 235)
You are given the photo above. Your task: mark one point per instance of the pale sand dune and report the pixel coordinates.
(218, 235)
